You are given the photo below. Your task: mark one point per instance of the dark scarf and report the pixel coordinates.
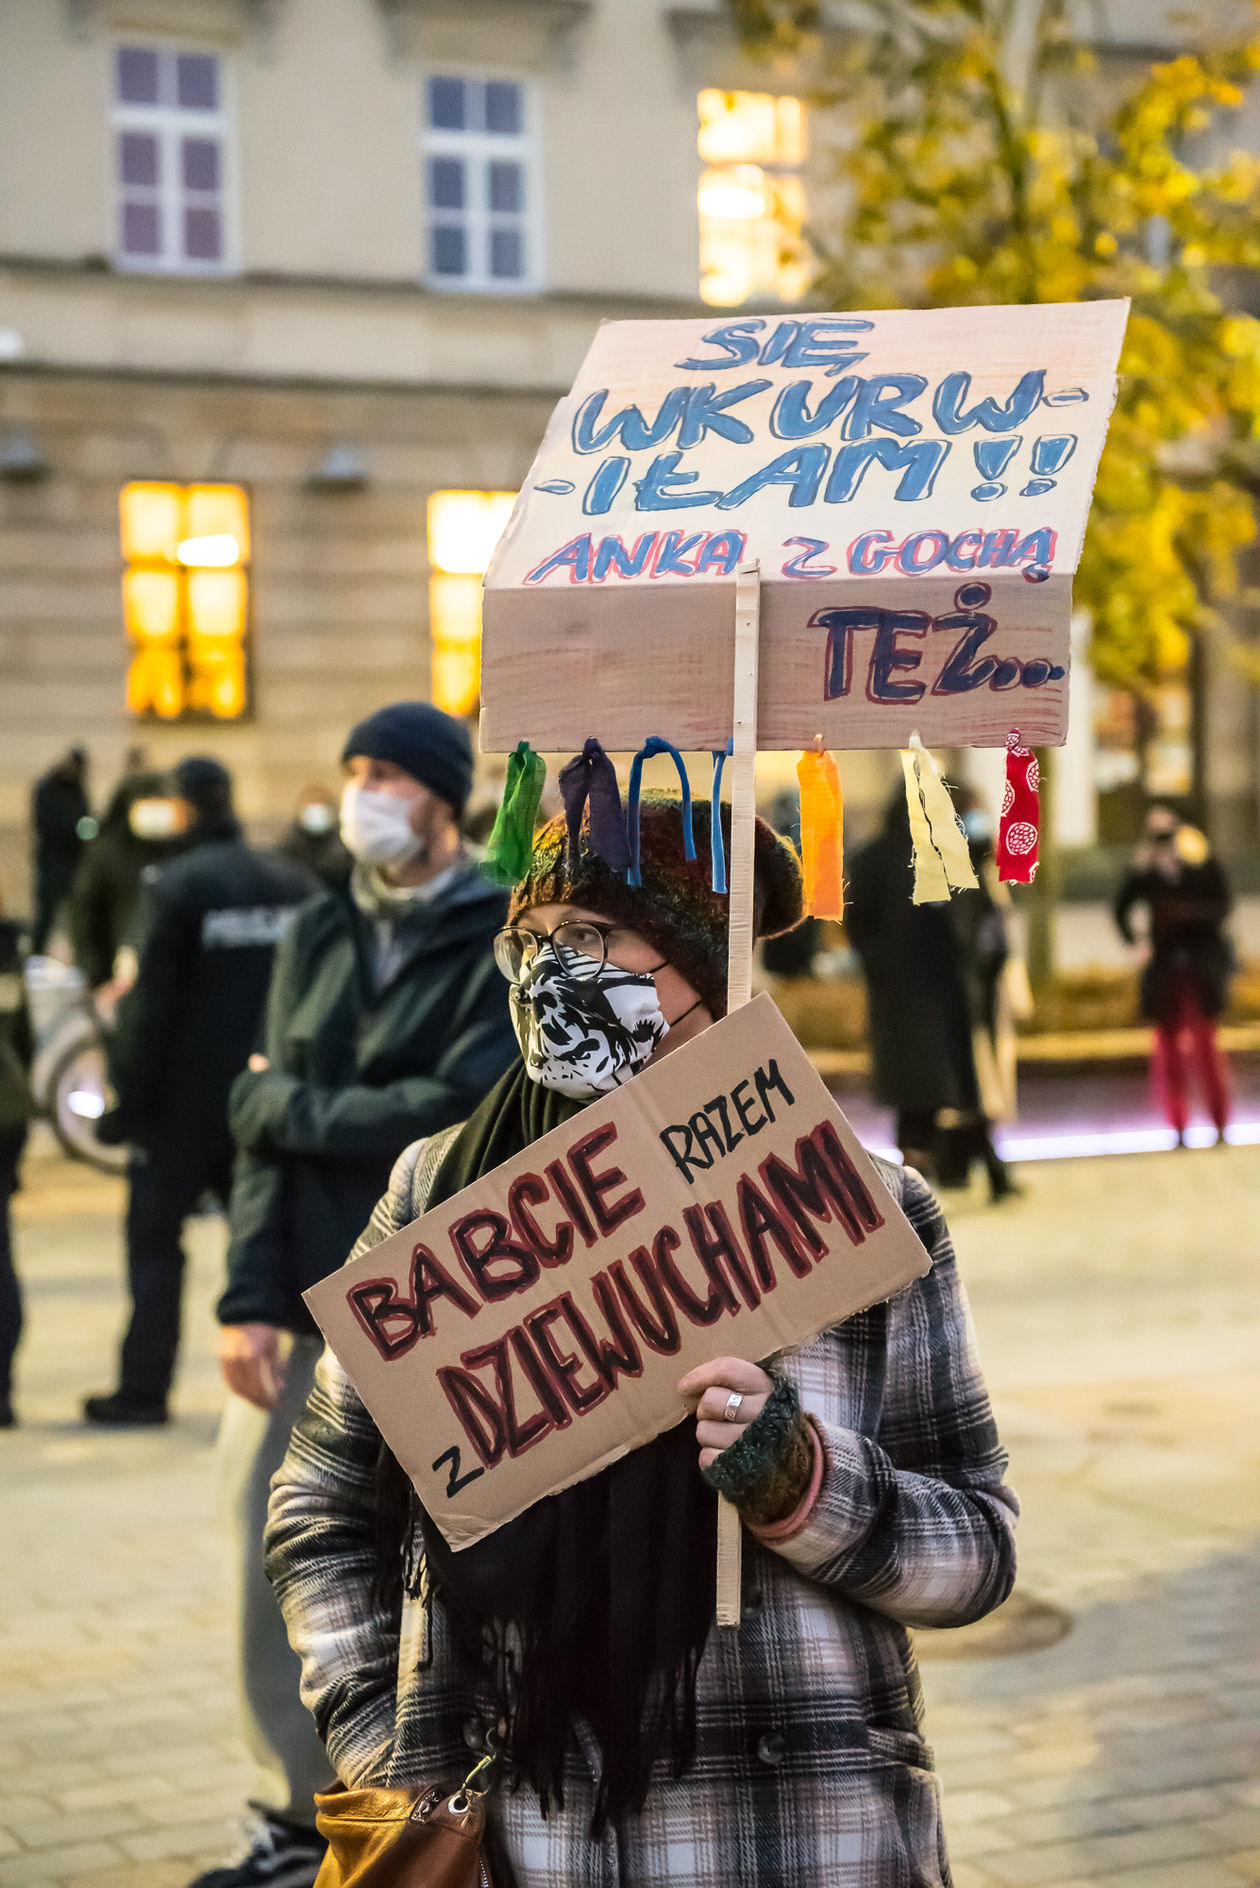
(610, 1586)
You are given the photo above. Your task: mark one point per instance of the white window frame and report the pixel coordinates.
(168, 123)
(480, 147)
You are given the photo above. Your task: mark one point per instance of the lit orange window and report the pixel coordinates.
(751, 197)
(464, 528)
(185, 594)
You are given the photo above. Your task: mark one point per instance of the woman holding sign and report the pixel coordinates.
(641, 1745)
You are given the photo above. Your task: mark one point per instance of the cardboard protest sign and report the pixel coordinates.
(529, 1331)
(914, 483)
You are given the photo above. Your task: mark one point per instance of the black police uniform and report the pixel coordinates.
(185, 1032)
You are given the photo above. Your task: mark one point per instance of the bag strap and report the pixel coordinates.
(466, 1797)
(424, 1173)
(414, 1624)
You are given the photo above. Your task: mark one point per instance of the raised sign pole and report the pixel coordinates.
(743, 785)
(740, 949)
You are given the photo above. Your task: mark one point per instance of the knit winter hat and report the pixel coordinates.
(431, 746)
(205, 783)
(675, 906)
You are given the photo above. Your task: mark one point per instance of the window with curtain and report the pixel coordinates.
(170, 133)
(480, 188)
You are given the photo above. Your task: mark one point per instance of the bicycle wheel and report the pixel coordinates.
(77, 1096)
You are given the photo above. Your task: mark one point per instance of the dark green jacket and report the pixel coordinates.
(356, 1074)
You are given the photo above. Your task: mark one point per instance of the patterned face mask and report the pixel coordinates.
(584, 1035)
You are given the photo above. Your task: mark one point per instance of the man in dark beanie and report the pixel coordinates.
(387, 1020)
(213, 916)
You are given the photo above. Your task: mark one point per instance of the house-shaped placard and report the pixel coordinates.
(914, 485)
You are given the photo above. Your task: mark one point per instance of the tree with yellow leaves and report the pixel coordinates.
(985, 154)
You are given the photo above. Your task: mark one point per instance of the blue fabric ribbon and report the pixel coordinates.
(651, 747)
(717, 846)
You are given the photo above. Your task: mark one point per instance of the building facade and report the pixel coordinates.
(332, 262)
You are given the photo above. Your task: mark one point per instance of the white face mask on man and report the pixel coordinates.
(376, 827)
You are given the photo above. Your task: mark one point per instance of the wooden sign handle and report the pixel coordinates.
(740, 949)
(743, 786)
(730, 1562)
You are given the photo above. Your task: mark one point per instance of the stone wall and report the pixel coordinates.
(340, 580)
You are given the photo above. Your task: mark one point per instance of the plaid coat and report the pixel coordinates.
(812, 1770)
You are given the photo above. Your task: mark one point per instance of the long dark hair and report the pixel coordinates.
(595, 1604)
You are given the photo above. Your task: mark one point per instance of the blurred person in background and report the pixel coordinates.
(16, 1108)
(387, 1020)
(479, 817)
(140, 829)
(61, 825)
(996, 988)
(918, 1013)
(314, 841)
(185, 1031)
(1185, 980)
(794, 953)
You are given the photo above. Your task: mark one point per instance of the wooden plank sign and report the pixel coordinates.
(914, 484)
(531, 1330)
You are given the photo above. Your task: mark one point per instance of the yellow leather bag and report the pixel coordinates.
(405, 1838)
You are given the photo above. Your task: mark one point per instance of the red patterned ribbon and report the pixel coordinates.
(1018, 827)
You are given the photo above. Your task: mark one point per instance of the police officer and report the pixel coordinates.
(185, 1031)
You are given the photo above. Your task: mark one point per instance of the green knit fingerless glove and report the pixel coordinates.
(767, 1469)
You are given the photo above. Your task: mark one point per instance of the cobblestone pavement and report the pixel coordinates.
(1093, 1734)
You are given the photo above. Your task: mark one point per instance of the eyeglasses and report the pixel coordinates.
(581, 943)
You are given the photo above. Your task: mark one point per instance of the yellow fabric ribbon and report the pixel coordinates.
(822, 834)
(941, 858)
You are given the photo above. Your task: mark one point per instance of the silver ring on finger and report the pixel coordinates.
(731, 1413)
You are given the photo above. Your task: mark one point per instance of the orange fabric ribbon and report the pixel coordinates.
(822, 834)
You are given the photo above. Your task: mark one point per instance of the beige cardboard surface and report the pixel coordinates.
(718, 1205)
(915, 484)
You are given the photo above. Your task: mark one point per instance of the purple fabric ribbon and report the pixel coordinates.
(589, 783)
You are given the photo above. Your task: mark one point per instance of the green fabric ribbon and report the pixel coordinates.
(511, 844)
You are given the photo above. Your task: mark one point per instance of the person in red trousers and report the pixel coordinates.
(1185, 982)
